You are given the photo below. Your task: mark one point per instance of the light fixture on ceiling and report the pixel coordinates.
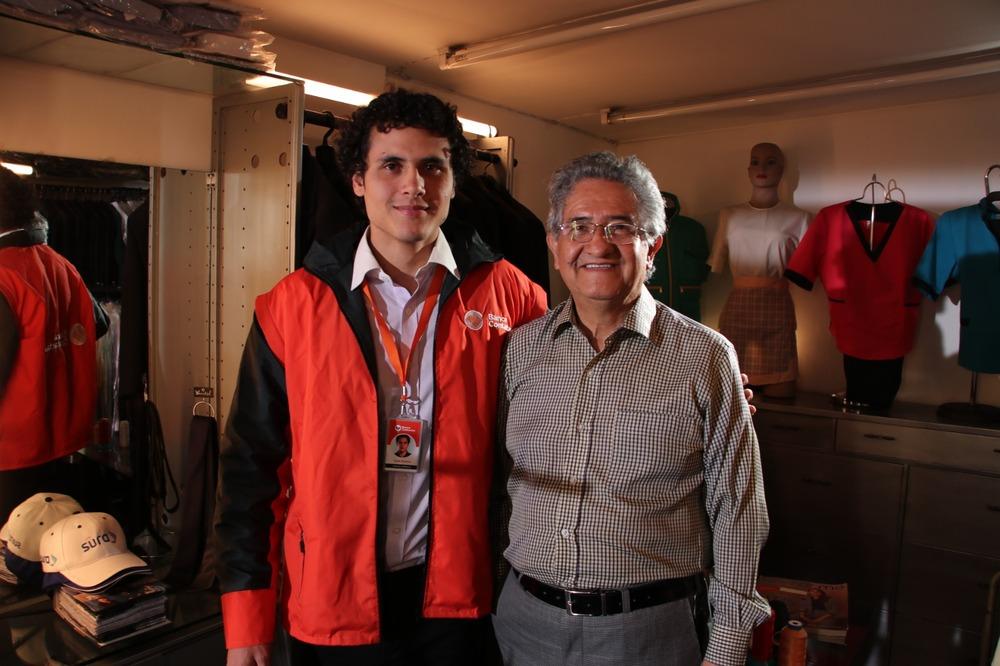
(353, 98)
(19, 169)
(583, 27)
(930, 71)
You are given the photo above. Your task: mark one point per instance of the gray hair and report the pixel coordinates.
(629, 171)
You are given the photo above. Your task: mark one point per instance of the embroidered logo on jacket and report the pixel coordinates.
(474, 319)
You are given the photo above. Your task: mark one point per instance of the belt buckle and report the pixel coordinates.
(569, 602)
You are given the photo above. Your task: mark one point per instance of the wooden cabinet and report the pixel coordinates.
(902, 507)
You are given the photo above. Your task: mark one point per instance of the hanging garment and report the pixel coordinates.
(201, 467)
(873, 306)
(47, 406)
(759, 317)
(681, 264)
(506, 225)
(323, 211)
(965, 248)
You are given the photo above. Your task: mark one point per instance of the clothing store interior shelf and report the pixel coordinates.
(34, 634)
(902, 506)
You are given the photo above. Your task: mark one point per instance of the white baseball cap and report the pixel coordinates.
(31, 518)
(87, 552)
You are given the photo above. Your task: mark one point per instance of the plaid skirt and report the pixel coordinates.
(760, 322)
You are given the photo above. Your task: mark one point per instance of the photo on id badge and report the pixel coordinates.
(402, 450)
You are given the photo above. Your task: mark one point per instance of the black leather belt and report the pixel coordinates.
(611, 602)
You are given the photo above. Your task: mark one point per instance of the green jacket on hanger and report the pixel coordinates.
(682, 262)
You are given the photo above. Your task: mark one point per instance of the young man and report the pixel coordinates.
(380, 333)
(633, 462)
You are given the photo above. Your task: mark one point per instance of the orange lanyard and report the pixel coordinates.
(389, 341)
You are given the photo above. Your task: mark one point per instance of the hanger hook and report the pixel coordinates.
(211, 409)
(333, 125)
(986, 176)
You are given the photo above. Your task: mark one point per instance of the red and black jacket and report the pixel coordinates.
(300, 462)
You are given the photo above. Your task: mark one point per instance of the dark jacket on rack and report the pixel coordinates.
(681, 264)
(305, 417)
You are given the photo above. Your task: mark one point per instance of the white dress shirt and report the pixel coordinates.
(405, 495)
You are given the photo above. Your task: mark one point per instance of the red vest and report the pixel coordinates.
(329, 534)
(47, 407)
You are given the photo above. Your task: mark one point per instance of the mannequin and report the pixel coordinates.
(757, 239)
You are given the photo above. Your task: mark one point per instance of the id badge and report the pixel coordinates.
(402, 448)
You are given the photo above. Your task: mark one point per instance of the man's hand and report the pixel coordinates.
(708, 663)
(749, 394)
(255, 655)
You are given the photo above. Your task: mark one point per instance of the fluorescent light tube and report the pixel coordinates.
(19, 169)
(353, 98)
(583, 27)
(975, 64)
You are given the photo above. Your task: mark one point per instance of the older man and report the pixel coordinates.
(633, 464)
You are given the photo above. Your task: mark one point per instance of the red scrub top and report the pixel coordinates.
(874, 307)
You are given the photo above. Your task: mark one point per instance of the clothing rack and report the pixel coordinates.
(330, 121)
(66, 190)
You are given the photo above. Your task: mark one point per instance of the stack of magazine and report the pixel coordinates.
(132, 606)
(5, 574)
(821, 607)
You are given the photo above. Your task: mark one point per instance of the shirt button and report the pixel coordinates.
(395, 530)
(565, 533)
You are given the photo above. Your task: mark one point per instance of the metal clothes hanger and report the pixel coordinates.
(333, 125)
(893, 187)
(993, 196)
(871, 222)
(203, 403)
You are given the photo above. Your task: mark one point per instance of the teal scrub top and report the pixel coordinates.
(965, 248)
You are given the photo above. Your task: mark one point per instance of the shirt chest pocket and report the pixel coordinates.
(654, 453)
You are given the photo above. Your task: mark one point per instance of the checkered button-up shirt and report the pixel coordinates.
(635, 464)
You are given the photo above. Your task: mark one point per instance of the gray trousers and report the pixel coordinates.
(530, 632)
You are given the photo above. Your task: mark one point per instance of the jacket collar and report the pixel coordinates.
(334, 265)
(24, 237)
(334, 262)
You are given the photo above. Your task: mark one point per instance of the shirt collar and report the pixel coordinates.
(638, 319)
(365, 262)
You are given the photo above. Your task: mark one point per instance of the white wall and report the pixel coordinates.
(58, 111)
(937, 153)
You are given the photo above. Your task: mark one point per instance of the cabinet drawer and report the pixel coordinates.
(850, 496)
(976, 453)
(954, 510)
(808, 432)
(945, 587)
(917, 642)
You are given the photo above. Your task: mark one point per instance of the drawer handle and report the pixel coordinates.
(826, 484)
(996, 450)
(885, 438)
(993, 507)
(778, 426)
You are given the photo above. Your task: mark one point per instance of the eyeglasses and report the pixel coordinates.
(619, 233)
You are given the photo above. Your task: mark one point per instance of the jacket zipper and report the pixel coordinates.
(302, 566)
(430, 456)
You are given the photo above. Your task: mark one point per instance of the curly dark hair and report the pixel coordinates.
(397, 109)
(17, 201)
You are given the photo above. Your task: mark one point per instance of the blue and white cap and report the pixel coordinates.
(88, 552)
(22, 533)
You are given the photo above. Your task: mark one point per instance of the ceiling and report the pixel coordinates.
(747, 49)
